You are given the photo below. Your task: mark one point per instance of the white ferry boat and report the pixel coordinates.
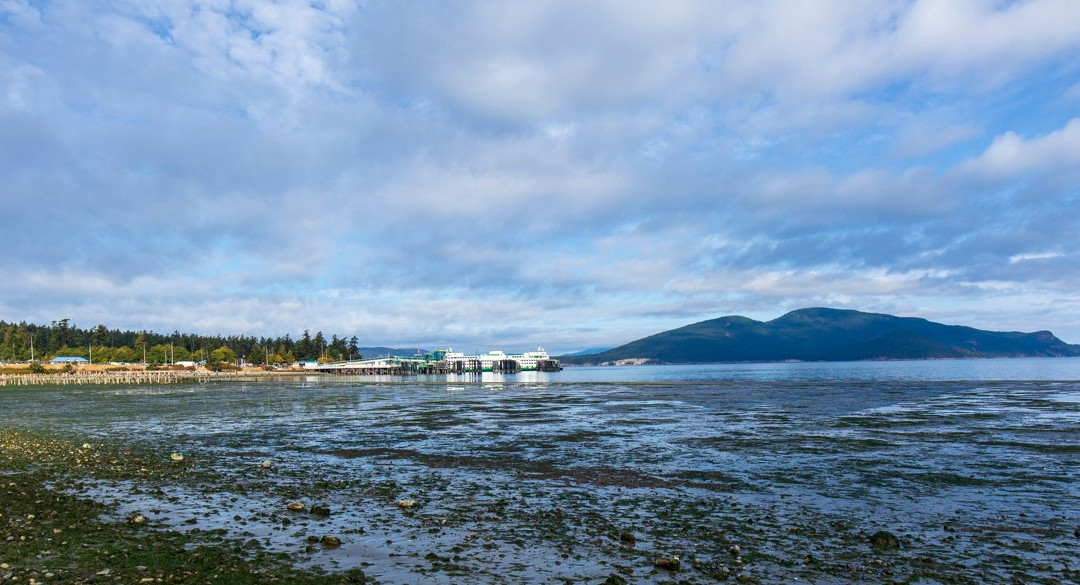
(499, 361)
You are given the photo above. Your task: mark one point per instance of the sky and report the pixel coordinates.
(507, 174)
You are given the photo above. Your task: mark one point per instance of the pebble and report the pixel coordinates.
(670, 563)
(296, 506)
(884, 540)
(735, 550)
(176, 457)
(265, 464)
(330, 541)
(406, 504)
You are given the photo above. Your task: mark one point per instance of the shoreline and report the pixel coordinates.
(57, 378)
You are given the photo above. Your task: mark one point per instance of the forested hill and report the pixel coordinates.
(821, 334)
(114, 345)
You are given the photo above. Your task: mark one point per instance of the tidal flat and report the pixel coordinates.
(749, 481)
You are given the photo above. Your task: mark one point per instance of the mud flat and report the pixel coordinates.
(544, 483)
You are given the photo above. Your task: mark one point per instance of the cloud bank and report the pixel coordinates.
(578, 175)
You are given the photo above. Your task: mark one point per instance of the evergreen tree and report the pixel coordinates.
(304, 348)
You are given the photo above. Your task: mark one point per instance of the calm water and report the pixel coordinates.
(974, 464)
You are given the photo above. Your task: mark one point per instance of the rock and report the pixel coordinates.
(330, 541)
(670, 563)
(627, 538)
(138, 519)
(320, 510)
(735, 550)
(614, 579)
(884, 540)
(86, 445)
(1076, 533)
(265, 464)
(176, 457)
(103, 572)
(296, 506)
(355, 576)
(407, 504)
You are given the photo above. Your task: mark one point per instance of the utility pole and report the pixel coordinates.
(31, 347)
(91, 353)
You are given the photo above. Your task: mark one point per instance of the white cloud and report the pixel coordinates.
(1010, 154)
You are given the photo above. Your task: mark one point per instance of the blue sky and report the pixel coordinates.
(504, 174)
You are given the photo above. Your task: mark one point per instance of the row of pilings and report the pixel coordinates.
(131, 377)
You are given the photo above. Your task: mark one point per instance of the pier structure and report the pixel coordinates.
(446, 362)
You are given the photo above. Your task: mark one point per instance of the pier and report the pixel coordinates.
(445, 362)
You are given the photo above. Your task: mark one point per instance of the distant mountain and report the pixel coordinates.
(374, 352)
(821, 334)
(590, 351)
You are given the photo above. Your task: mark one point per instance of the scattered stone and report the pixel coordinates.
(614, 579)
(296, 506)
(176, 457)
(884, 540)
(138, 519)
(86, 445)
(1076, 533)
(104, 572)
(627, 538)
(735, 550)
(670, 563)
(330, 541)
(407, 504)
(355, 576)
(265, 464)
(320, 510)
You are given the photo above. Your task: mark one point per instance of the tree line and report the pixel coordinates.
(22, 341)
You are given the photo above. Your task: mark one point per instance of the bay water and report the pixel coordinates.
(772, 472)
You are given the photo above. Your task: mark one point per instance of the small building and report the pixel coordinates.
(69, 359)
